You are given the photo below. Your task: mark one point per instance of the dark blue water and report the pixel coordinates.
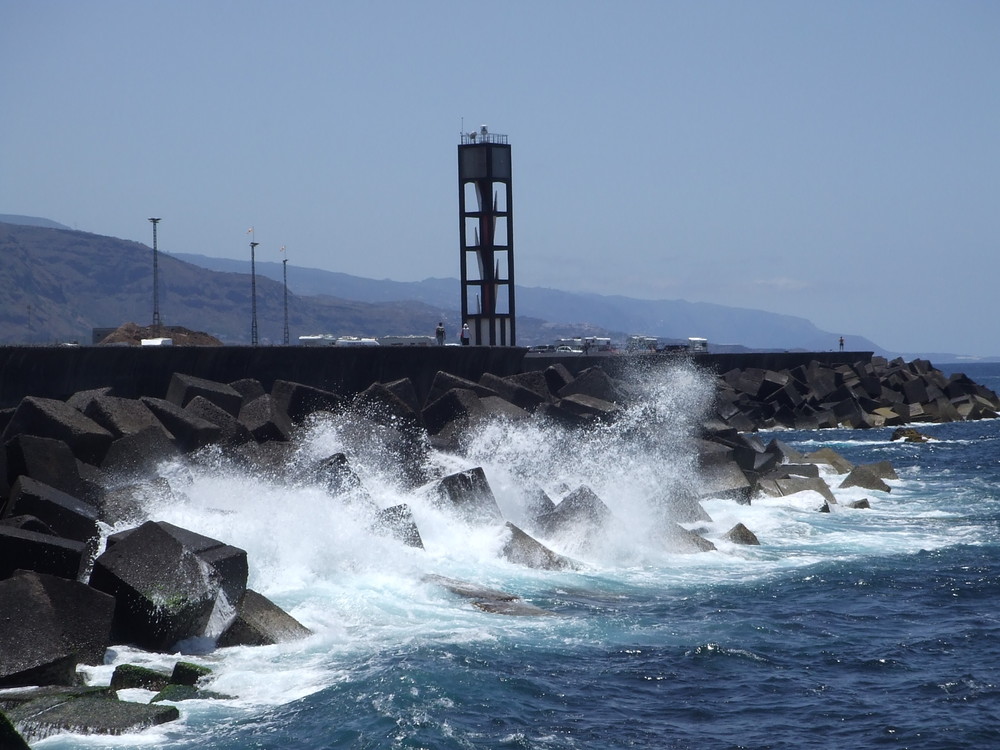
(857, 628)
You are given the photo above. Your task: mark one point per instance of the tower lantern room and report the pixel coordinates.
(487, 237)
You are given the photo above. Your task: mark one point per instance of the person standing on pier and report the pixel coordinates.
(439, 333)
(464, 334)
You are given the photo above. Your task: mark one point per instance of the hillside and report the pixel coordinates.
(61, 283)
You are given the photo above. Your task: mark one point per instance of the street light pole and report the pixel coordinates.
(156, 281)
(253, 295)
(284, 273)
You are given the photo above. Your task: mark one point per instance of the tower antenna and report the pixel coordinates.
(156, 281)
(284, 274)
(253, 294)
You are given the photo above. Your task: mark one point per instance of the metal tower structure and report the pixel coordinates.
(253, 295)
(487, 237)
(156, 280)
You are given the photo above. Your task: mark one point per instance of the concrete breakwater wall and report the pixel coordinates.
(58, 372)
(624, 364)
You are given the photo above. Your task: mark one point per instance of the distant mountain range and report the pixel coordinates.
(61, 283)
(572, 312)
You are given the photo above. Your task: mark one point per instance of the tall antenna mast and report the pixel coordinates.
(156, 280)
(253, 295)
(284, 273)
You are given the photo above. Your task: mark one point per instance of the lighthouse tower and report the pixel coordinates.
(487, 237)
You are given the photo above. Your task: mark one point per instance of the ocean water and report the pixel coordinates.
(857, 628)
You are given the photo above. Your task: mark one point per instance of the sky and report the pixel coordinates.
(838, 161)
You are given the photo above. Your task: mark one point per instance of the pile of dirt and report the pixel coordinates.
(132, 334)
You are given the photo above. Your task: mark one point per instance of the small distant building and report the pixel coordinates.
(97, 335)
(318, 339)
(638, 343)
(407, 340)
(356, 341)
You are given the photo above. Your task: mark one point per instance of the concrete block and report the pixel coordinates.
(581, 511)
(10, 738)
(495, 407)
(589, 407)
(53, 715)
(185, 388)
(122, 416)
(821, 380)
(397, 522)
(831, 458)
(44, 417)
(404, 390)
(445, 381)
(67, 516)
(137, 454)
(678, 539)
(865, 477)
(593, 382)
(557, 377)
(336, 475)
(392, 404)
(740, 534)
(265, 421)
(521, 549)
(784, 471)
(533, 381)
(725, 479)
(190, 431)
(28, 523)
(915, 391)
(164, 592)
(129, 676)
(233, 432)
(47, 460)
(489, 600)
(536, 504)
(260, 622)
(249, 388)
(80, 399)
(468, 494)
(454, 404)
(43, 553)
(512, 392)
(52, 624)
(228, 563)
(784, 451)
(794, 485)
(298, 401)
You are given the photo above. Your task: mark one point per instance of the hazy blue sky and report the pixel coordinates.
(839, 161)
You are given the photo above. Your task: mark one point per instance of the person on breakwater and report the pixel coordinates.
(464, 334)
(439, 333)
(841, 343)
